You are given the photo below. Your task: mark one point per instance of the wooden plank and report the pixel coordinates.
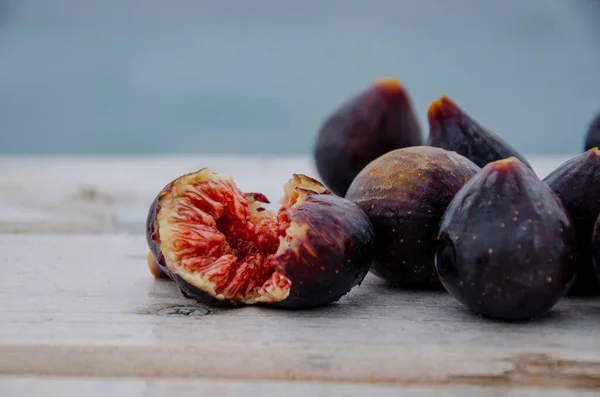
(103, 194)
(84, 305)
(94, 387)
(107, 195)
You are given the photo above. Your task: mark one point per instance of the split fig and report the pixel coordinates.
(222, 246)
(506, 245)
(373, 122)
(404, 193)
(575, 182)
(592, 139)
(451, 128)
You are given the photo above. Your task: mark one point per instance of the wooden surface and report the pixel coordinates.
(104, 387)
(80, 313)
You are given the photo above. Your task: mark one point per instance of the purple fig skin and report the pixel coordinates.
(576, 184)
(596, 247)
(375, 121)
(156, 260)
(404, 193)
(330, 253)
(335, 255)
(592, 139)
(451, 128)
(506, 245)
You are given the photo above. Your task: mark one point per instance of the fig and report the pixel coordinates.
(596, 247)
(506, 244)
(451, 128)
(592, 139)
(373, 122)
(222, 246)
(404, 193)
(575, 182)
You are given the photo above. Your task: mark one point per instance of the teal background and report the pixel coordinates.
(151, 76)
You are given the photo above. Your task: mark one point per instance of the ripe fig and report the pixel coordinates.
(575, 182)
(404, 193)
(592, 139)
(451, 128)
(219, 244)
(373, 122)
(505, 244)
(596, 247)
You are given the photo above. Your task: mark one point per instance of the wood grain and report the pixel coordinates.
(76, 305)
(107, 195)
(102, 387)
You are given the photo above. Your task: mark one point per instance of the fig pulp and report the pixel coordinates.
(451, 128)
(576, 184)
(592, 139)
(404, 193)
(375, 121)
(219, 244)
(506, 245)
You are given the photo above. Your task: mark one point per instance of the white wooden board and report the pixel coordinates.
(106, 195)
(103, 387)
(80, 313)
(86, 306)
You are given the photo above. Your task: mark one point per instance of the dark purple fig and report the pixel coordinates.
(375, 121)
(506, 246)
(451, 128)
(576, 184)
(596, 247)
(222, 246)
(592, 139)
(404, 193)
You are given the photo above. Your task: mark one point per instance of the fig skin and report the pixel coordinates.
(156, 260)
(596, 247)
(404, 193)
(575, 182)
(373, 122)
(328, 252)
(592, 139)
(333, 256)
(506, 245)
(451, 128)
(155, 268)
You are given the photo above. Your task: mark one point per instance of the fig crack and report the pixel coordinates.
(210, 240)
(218, 243)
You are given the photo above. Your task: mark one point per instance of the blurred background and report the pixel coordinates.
(235, 76)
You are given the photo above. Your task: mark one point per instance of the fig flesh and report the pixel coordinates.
(373, 122)
(451, 128)
(221, 245)
(404, 193)
(575, 182)
(592, 139)
(506, 245)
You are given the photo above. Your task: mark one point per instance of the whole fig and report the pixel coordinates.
(404, 193)
(575, 182)
(506, 245)
(451, 128)
(592, 139)
(596, 247)
(371, 123)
